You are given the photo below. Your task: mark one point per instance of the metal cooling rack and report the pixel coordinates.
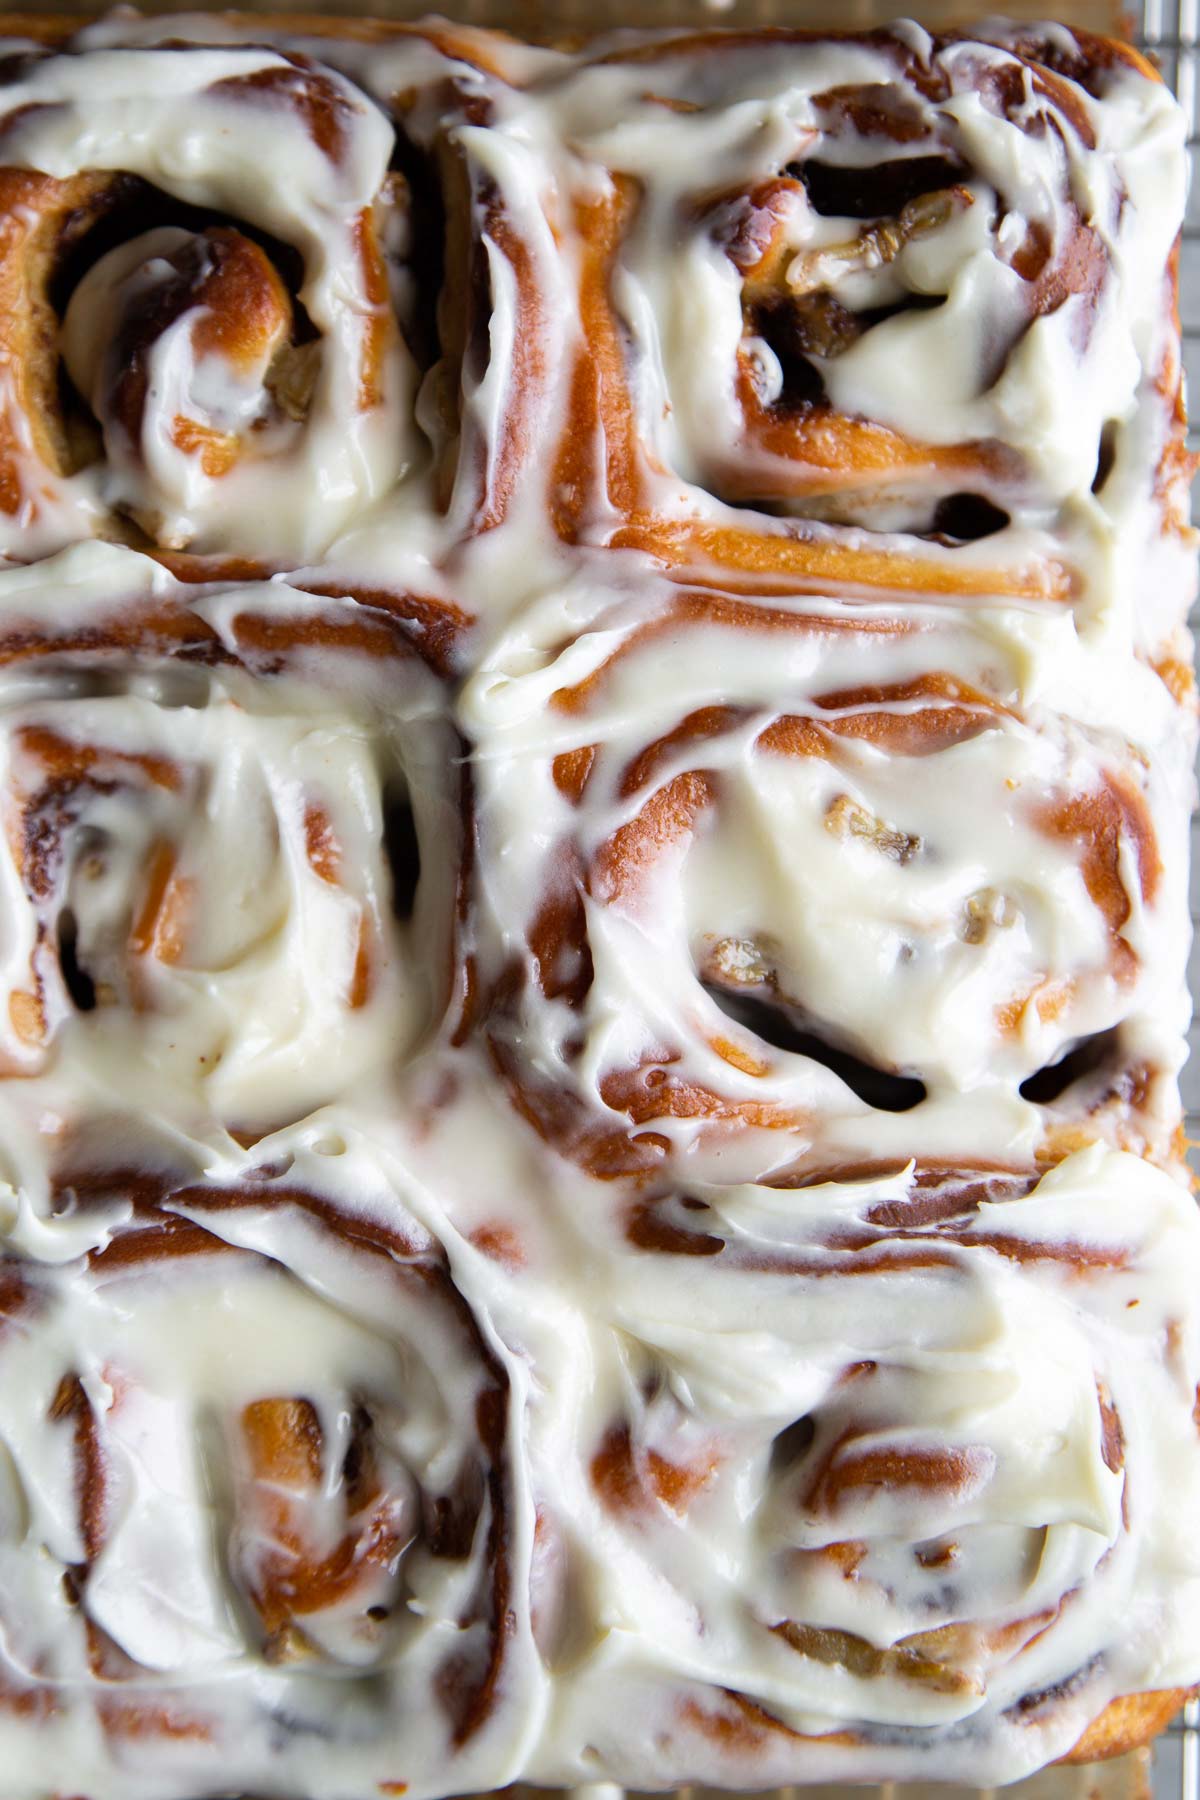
(1170, 32)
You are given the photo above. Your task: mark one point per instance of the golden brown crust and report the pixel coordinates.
(32, 210)
(1129, 1723)
(44, 28)
(1103, 19)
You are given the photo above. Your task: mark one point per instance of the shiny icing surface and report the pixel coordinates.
(595, 755)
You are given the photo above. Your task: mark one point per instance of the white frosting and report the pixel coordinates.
(700, 1289)
(201, 888)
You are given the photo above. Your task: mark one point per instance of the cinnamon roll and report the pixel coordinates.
(201, 349)
(888, 246)
(840, 875)
(282, 1533)
(212, 859)
(862, 1487)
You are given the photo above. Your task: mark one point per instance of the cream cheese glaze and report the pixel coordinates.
(593, 911)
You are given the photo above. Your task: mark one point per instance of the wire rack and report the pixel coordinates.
(1170, 31)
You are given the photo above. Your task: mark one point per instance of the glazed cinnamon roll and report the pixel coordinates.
(283, 1553)
(202, 351)
(886, 1495)
(826, 275)
(212, 857)
(837, 870)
